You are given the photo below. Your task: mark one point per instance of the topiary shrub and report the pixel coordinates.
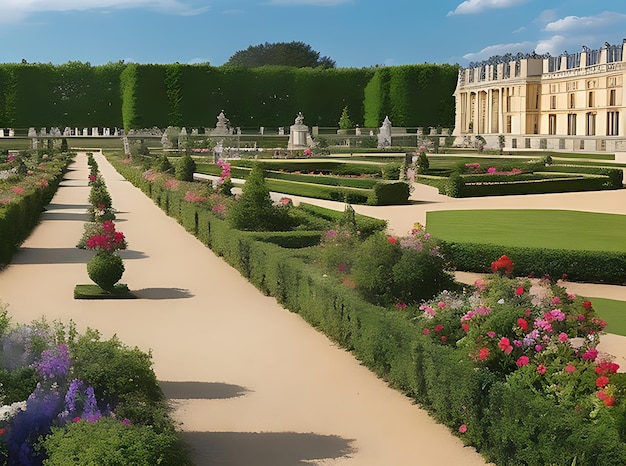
(185, 168)
(391, 171)
(105, 269)
(254, 211)
(163, 164)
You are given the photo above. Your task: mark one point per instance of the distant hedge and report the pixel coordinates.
(145, 95)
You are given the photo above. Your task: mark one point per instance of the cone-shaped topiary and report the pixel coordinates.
(185, 168)
(254, 210)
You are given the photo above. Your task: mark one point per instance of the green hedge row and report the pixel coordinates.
(510, 427)
(18, 218)
(318, 166)
(457, 187)
(584, 266)
(615, 175)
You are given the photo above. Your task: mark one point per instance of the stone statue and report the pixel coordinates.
(222, 126)
(384, 134)
(299, 119)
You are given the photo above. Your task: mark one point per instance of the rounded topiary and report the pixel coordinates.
(185, 168)
(99, 197)
(105, 269)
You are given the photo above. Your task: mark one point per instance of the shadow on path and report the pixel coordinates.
(63, 255)
(55, 206)
(79, 217)
(162, 293)
(263, 449)
(201, 390)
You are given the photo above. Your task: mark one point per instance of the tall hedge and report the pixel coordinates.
(412, 95)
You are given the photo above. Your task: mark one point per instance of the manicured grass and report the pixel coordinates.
(613, 312)
(552, 229)
(91, 291)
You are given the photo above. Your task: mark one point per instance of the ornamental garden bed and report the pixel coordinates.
(509, 364)
(28, 182)
(71, 398)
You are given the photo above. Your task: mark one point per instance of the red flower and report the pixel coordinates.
(523, 324)
(3, 431)
(519, 291)
(602, 381)
(609, 401)
(426, 331)
(465, 326)
(483, 353)
(587, 304)
(522, 361)
(502, 265)
(569, 368)
(444, 338)
(438, 328)
(400, 305)
(462, 428)
(606, 368)
(541, 369)
(391, 239)
(505, 345)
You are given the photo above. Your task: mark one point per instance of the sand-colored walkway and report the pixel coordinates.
(253, 383)
(262, 387)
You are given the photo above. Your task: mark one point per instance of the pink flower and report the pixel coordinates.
(400, 305)
(76, 419)
(491, 334)
(438, 328)
(126, 421)
(563, 337)
(590, 354)
(570, 368)
(491, 170)
(587, 304)
(541, 369)
(391, 239)
(18, 190)
(441, 304)
(462, 428)
(465, 327)
(341, 267)
(444, 338)
(522, 361)
(556, 300)
(426, 331)
(538, 348)
(483, 353)
(580, 317)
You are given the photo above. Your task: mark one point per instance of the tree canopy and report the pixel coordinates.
(296, 54)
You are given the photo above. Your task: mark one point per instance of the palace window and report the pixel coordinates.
(571, 100)
(571, 124)
(590, 100)
(573, 61)
(613, 53)
(612, 97)
(552, 102)
(591, 123)
(593, 57)
(552, 123)
(554, 64)
(612, 124)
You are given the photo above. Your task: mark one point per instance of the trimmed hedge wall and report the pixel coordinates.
(509, 427)
(18, 218)
(584, 266)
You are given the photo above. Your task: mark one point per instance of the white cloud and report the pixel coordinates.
(198, 61)
(522, 29)
(469, 7)
(554, 45)
(577, 24)
(309, 2)
(500, 49)
(546, 16)
(17, 9)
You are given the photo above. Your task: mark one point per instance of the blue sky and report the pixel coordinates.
(354, 33)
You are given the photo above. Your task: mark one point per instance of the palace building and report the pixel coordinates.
(572, 102)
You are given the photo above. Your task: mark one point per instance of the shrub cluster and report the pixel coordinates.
(78, 399)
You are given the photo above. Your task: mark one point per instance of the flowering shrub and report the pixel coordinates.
(503, 265)
(531, 334)
(106, 238)
(193, 197)
(172, 184)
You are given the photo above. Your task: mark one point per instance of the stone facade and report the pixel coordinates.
(569, 102)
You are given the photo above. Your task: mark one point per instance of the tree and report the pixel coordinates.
(296, 54)
(344, 120)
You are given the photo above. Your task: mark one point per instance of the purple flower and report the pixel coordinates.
(54, 362)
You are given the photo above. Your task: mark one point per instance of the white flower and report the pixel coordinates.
(501, 301)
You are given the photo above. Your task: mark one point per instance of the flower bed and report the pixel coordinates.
(71, 398)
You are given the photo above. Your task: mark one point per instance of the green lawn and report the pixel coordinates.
(555, 229)
(613, 312)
